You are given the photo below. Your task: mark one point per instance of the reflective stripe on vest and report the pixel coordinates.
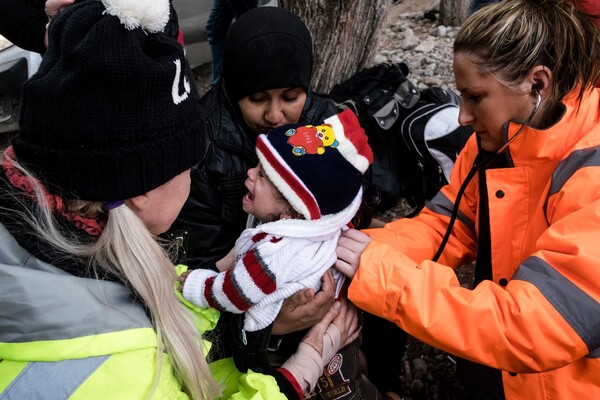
(41, 302)
(51, 380)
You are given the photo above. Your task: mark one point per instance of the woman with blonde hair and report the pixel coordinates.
(110, 128)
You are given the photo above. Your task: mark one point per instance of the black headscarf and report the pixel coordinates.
(267, 48)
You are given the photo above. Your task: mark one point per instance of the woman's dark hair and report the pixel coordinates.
(363, 217)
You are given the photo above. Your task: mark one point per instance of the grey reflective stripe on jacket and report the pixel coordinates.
(578, 308)
(577, 160)
(442, 205)
(41, 302)
(60, 379)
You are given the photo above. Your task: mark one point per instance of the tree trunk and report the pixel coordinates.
(345, 36)
(453, 12)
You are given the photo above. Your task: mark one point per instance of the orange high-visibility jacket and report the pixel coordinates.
(539, 319)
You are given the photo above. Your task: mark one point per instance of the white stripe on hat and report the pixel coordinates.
(345, 146)
(292, 188)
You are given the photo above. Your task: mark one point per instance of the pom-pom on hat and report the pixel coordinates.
(112, 112)
(266, 48)
(318, 169)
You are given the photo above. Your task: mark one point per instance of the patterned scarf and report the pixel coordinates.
(93, 226)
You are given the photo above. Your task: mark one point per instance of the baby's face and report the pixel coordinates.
(263, 199)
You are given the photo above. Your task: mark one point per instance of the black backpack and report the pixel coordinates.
(414, 134)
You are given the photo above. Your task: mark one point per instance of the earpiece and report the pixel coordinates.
(536, 87)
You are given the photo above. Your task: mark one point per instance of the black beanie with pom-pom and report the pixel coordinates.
(112, 112)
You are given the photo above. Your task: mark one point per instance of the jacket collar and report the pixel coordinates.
(542, 145)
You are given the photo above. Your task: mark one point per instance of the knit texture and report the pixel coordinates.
(273, 261)
(318, 169)
(276, 37)
(112, 112)
(323, 181)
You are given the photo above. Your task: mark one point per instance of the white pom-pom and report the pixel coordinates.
(150, 15)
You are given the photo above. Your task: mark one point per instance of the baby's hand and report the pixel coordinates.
(181, 279)
(351, 245)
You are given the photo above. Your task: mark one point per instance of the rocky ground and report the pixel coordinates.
(413, 35)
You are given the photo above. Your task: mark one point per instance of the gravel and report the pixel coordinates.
(416, 39)
(414, 36)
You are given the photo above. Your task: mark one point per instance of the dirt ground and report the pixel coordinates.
(406, 6)
(427, 373)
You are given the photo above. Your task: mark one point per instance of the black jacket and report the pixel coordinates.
(212, 218)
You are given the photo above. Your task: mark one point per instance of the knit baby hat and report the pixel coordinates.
(266, 48)
(112, 112)
(318, 169)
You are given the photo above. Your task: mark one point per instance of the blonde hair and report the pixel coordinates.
(511, 37)
(128, 250)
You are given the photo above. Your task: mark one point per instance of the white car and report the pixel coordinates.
(193, 15)
(16, 64)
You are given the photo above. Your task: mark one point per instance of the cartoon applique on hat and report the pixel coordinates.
(318, 169)
(311, 139)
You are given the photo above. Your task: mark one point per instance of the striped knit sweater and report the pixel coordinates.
(273, 261)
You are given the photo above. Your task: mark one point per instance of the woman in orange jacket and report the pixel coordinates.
(530, 217)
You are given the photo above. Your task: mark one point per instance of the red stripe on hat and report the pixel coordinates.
(180, 37)
(297, 187)
(355, 134)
